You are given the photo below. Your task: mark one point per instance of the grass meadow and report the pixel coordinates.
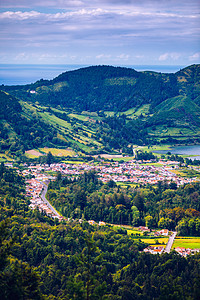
(187, 242)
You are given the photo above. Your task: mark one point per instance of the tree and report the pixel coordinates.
(139, 202)
(17, 279)
(49, 158)
(166, 223)
(150, 222)
(88, 259)
(135, 215)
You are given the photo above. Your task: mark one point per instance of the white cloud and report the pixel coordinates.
(102, 56)
(166, 56)
(18, 15)
(163, 57)
(123, 56)
(194, 57)
(22, 57)
(92, 28)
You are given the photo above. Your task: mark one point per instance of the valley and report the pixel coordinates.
(87, 202)
(102, 109)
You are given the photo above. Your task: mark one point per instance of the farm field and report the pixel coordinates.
(134, 232)
(155, 241)
(4, 158)
(52, 119)
(154, 148)
(58, 152)
(34, 153)
(187, 242)
(74, 162)
(117, 157)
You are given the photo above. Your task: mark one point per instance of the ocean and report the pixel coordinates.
(25, 74)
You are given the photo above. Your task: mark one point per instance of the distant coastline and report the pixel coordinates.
(15, 74)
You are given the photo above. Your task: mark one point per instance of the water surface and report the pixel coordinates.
(184, 150)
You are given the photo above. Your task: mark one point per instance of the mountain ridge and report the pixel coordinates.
(102, 108)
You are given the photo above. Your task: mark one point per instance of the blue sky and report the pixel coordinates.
(96, 32)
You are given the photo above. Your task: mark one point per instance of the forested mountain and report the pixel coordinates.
(110, 88)
(102, 108)
(100, 88)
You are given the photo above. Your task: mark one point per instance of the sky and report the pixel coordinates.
(96, 32)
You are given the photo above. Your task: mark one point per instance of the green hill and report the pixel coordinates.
(99, 88)
(178, 110)
(19, 129)
(101, 109)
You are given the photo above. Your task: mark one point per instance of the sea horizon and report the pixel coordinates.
(20, 74)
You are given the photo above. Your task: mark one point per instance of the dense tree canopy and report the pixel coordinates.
(44, 259)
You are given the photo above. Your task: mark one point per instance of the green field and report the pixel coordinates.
(72, 162)
(118, 158)
(52, 119)
(154, 148)
(54, 151)
(58, 152)
(79, 117)
(187, 242)
(155, 241)
(144, 110)
(134, 232)
(4, 158)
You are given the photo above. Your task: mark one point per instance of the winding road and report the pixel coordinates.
(46, 201)
(170, 242)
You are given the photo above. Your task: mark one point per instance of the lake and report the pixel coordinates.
(184, 150)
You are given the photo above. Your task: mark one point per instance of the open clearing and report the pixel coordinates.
(55, 152)
(58, 152)
(33, 153)
(4, 158)
(187, 242)
(116, 157)
(155, 241)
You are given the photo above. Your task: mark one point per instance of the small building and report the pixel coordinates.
(143, 228)
(154, 250)
(91, 222)
(164, 232)
(101, 223)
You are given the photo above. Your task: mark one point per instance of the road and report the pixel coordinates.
(46, 201)
(170, 242)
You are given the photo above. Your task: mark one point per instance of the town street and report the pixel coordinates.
(170, 242)
(46, 201)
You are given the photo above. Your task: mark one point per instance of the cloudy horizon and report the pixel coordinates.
(120, 32)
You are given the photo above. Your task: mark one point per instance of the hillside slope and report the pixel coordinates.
(19, 130)
(102, 109)
(180, 110)
(100, 88)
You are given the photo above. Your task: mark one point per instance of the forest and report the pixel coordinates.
(110, 88)
(41, 258)
(163, 206)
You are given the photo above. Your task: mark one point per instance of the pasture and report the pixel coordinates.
(57, 151)
(187, 242)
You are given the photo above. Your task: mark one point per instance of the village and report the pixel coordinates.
(132, 172)
(38, 176)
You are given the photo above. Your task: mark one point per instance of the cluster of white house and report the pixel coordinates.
(180, 250)
(132, 171)
(186, 251)
(154, 249)
(34, 189)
